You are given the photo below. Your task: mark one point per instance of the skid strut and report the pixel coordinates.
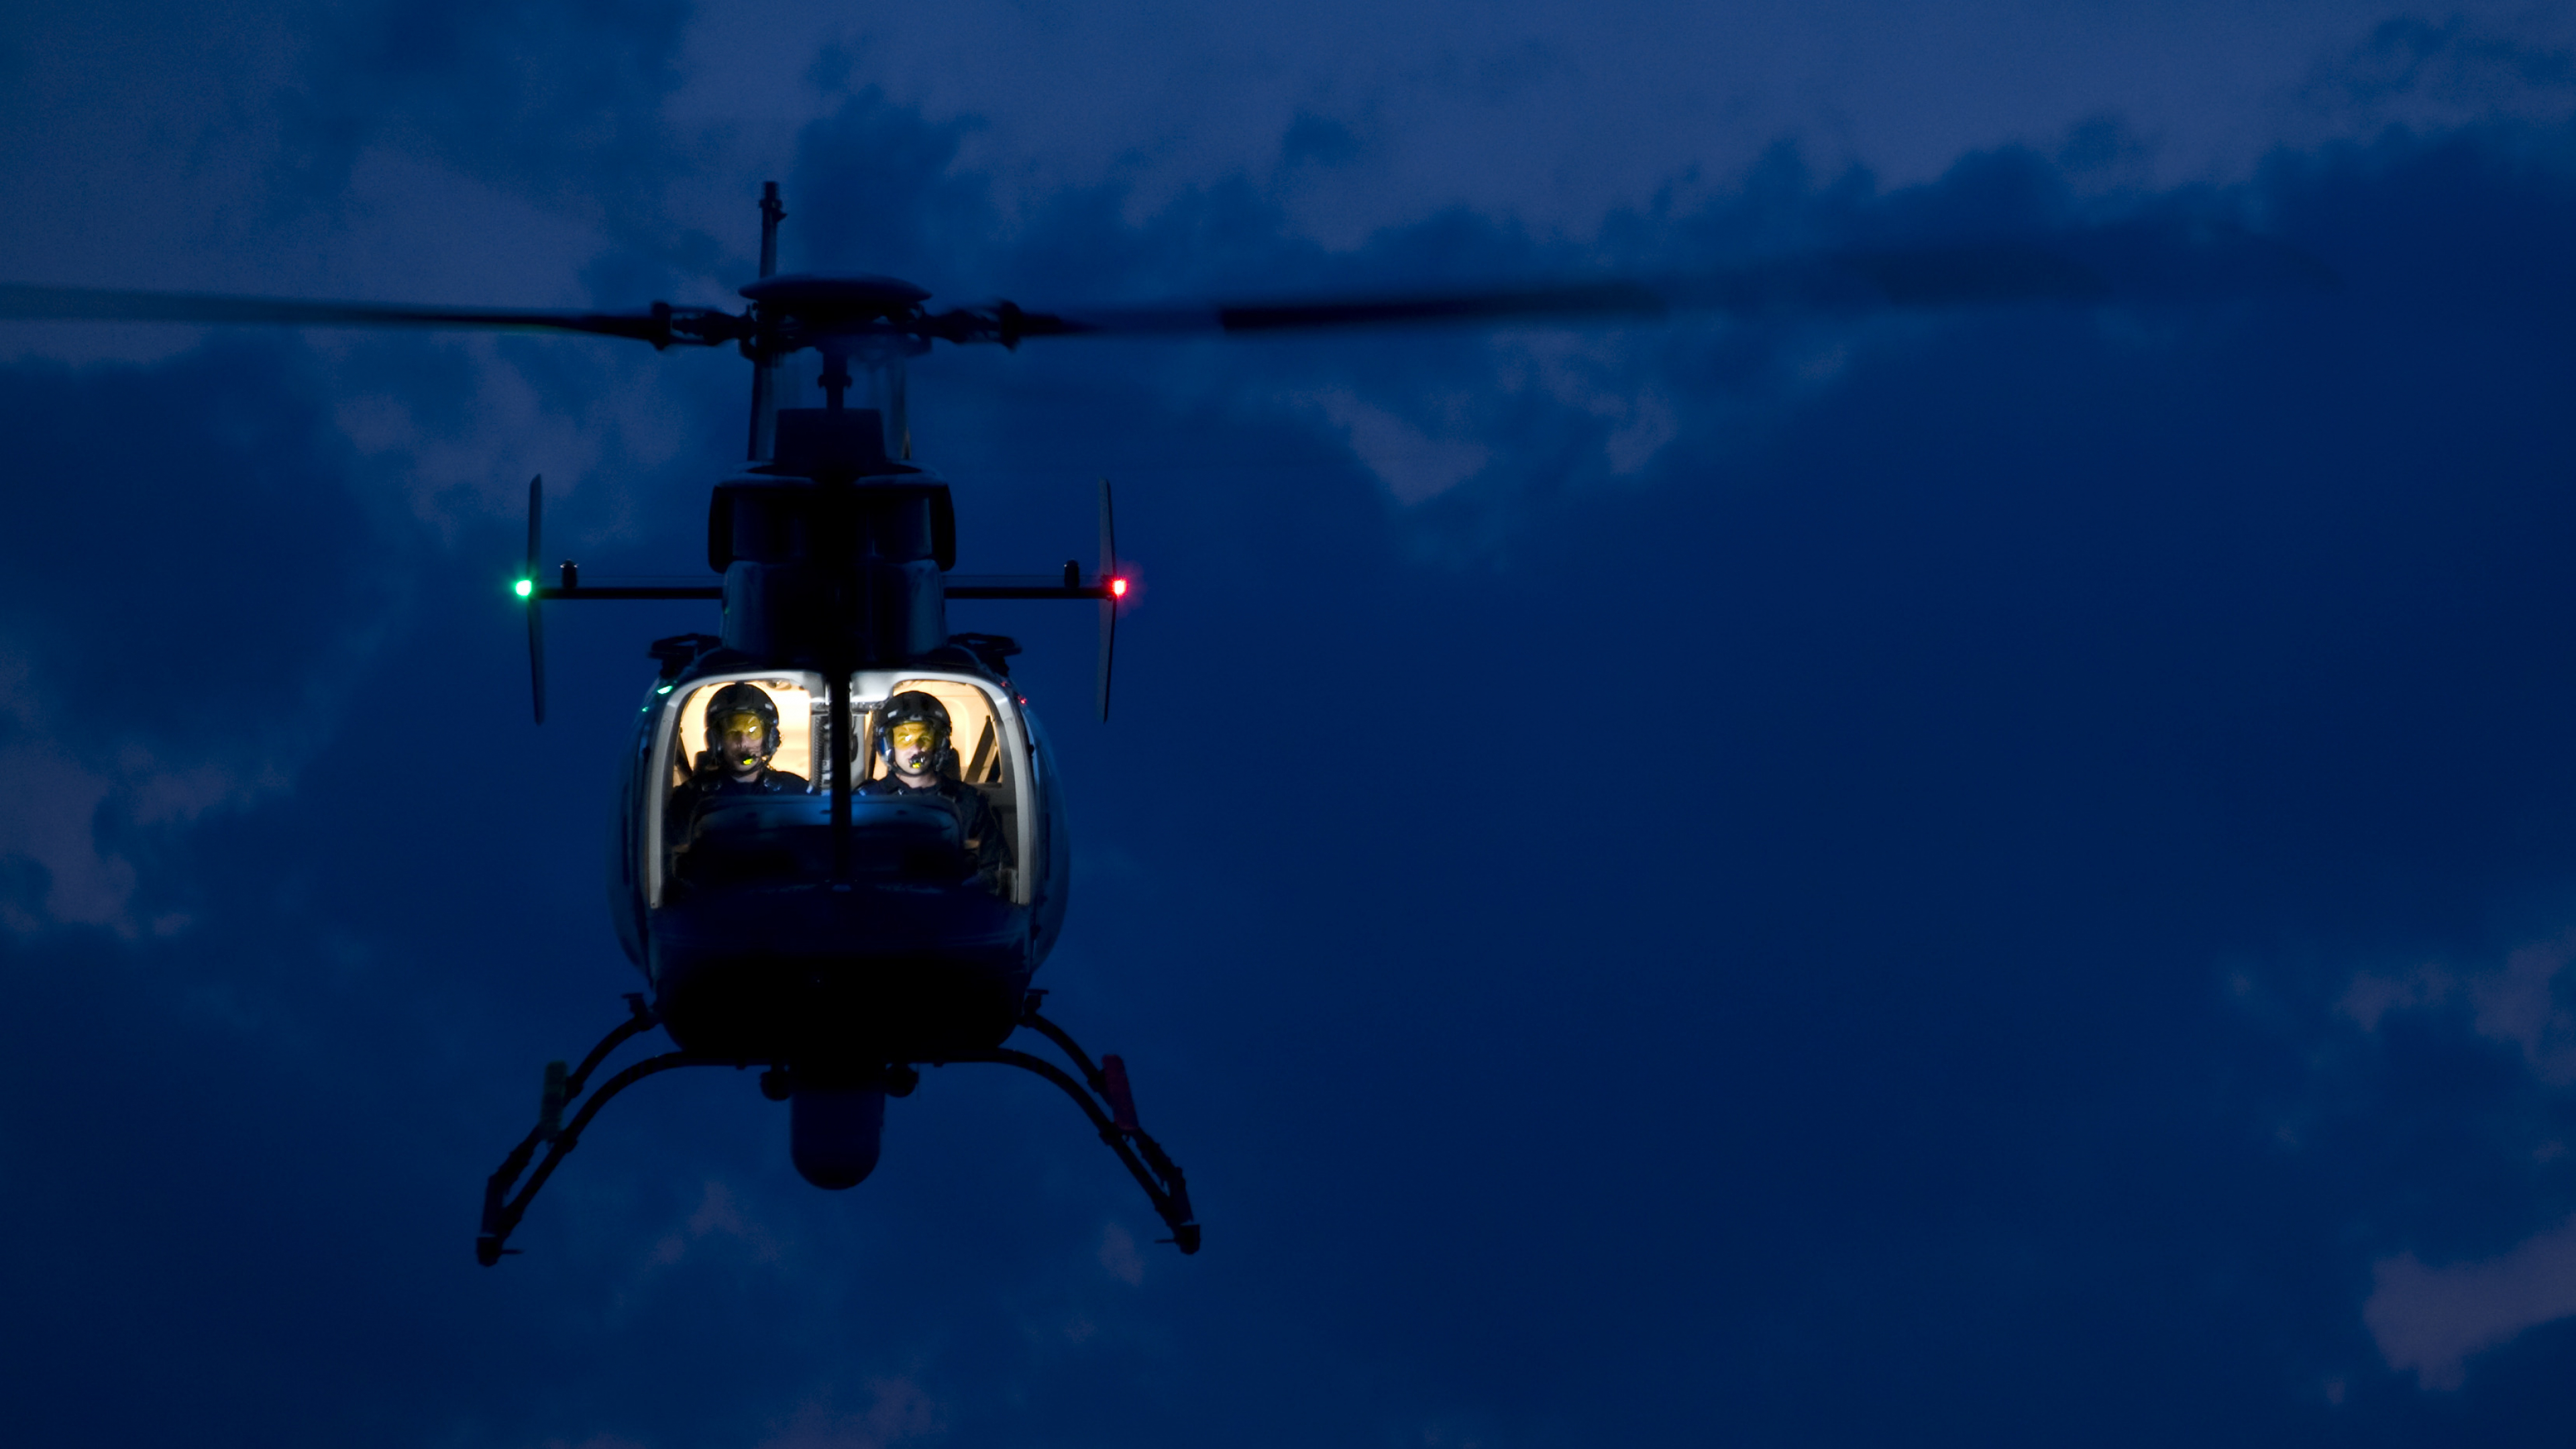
(1143, 1157)
(501, 1211)
(1101, 1092)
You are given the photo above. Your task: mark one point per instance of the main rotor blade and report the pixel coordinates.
(1834, 282)
(660, 324)
(1579, 300)
(2134, 262)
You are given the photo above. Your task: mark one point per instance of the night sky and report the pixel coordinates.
(1995, 876)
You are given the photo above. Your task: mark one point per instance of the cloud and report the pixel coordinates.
(169, 650)
(2430, 1321)
(1413, 465)
(471, 418)
(1118, 1255)
(2429, 75)
(2372, 995)
(54, 823)
(519, 98)
(1439, 413)
(49, 826)
(2517, 1003)
(719, 1216)
(899, 1411)
(1319, 140)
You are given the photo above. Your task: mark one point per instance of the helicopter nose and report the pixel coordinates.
(834, 1134)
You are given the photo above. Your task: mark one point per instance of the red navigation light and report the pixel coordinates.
(1118, 588)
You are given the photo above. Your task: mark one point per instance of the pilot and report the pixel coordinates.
(742, 731)
(912, 737)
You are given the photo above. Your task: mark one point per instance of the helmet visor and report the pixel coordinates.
(744, 737)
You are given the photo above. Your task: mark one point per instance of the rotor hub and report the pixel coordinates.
(834, 296)
(841, 314)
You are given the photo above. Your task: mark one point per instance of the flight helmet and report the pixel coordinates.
(741, 698)
(914, 707)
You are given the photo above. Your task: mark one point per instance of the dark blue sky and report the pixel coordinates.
(1995, 877)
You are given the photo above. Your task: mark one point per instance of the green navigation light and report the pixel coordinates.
(525, 587)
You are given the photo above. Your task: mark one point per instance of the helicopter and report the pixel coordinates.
(839, 850)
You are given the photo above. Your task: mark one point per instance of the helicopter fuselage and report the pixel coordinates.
(833, 921)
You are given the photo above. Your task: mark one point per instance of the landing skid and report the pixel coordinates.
(1101, 1092)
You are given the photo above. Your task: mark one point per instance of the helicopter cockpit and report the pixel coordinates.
(748, 768)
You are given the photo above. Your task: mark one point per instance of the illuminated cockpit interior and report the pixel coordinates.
(747, 765)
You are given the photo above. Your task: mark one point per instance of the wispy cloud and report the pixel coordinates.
(2517, 1003)
(2429, 1321)
(1118, 1255)
(899, 1411)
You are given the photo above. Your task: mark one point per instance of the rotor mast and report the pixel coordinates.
(764, 367)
